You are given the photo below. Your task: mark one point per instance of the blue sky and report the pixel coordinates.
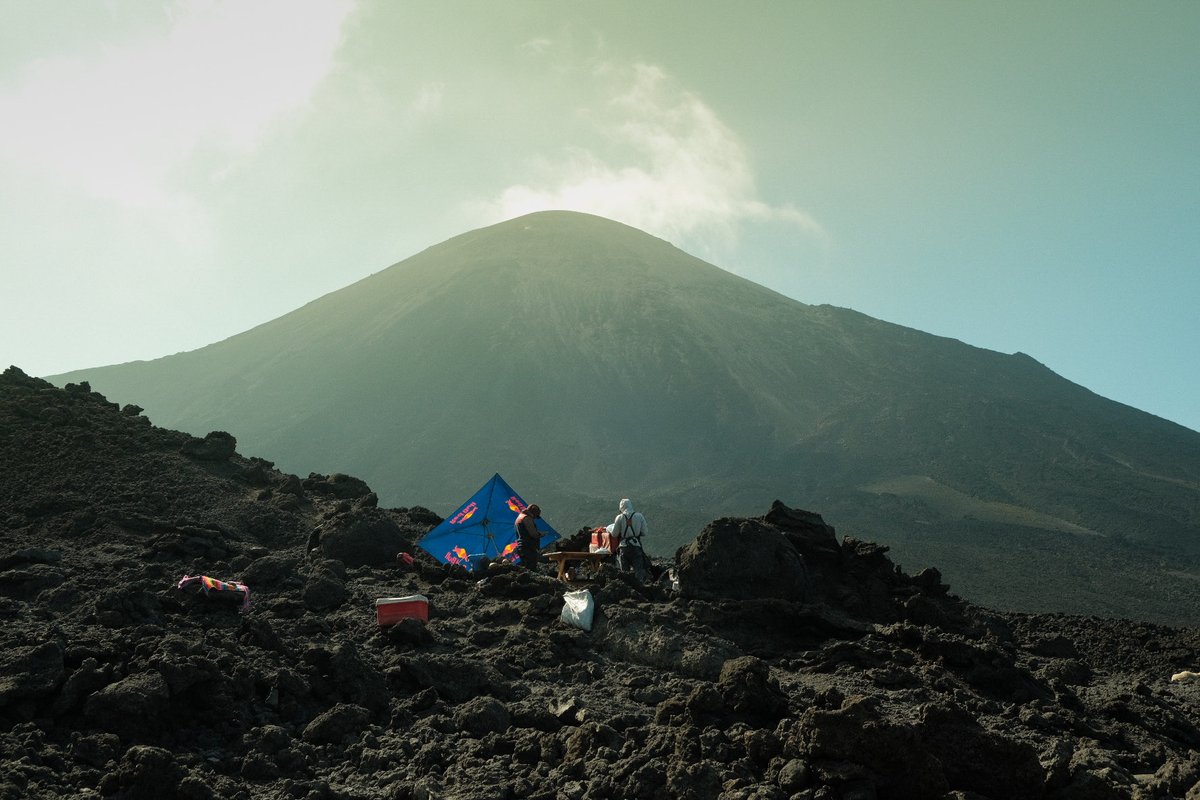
(1021, 176)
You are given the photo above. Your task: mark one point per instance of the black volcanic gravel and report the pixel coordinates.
(787, 663)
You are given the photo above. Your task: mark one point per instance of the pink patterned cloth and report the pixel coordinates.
(208, 584)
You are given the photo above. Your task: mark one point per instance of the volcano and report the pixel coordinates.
(589, 361)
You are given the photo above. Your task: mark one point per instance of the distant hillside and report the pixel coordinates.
(588, 361)
(809, 667)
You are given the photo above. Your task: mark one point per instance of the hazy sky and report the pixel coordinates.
(1020, 176)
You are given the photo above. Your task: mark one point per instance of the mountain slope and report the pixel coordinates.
(812, 667)
(587, 361)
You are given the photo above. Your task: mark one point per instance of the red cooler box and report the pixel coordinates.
(390, 610)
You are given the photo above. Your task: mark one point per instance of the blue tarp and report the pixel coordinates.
(483, 526)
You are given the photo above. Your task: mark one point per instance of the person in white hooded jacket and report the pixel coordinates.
(630, 526)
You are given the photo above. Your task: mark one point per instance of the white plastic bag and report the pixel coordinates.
(578, 608)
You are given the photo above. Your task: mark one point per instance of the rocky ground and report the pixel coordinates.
(787, 663)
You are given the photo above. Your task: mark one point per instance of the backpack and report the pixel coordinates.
(629, 535)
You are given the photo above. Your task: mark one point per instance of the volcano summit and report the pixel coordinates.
(588, 361)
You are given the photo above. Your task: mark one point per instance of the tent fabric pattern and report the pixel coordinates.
(484, 525)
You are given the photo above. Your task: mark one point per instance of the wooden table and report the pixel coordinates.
(564, 557)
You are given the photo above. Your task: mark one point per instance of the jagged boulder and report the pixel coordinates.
(750, 693)
(356, 681)
(812, 537)
(974, 759)
(30, 673)
(324, 587)
(133, 707)
(859, 744)
(30, 555)
(337, 485)
(363, 537)
(1178, 775)
(742, 559)
(337, 724)
(631, 635)
(144, 773)
(271, 569)
(481, 716)
(216, 446)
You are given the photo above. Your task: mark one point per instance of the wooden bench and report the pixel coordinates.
(564, 558)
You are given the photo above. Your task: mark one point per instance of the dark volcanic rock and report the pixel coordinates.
(483, 715)
(337, 725)
(809, 534)
(216, 446)
(363, 537)
(747, 688)
(324, 588)
(741, 560)
(978, 760)
(791, 665)
(146, 773)
(857, 744)
(134, 708)
(28, 673)
(338, 486)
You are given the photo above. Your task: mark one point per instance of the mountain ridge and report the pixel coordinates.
(587, 361)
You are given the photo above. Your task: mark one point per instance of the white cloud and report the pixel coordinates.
(115, 123)
(678, 172)
(537, 46)
(429, 99)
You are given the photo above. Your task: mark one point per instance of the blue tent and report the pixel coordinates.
(484, 525)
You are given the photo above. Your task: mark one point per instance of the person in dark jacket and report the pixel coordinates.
(529, 538)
